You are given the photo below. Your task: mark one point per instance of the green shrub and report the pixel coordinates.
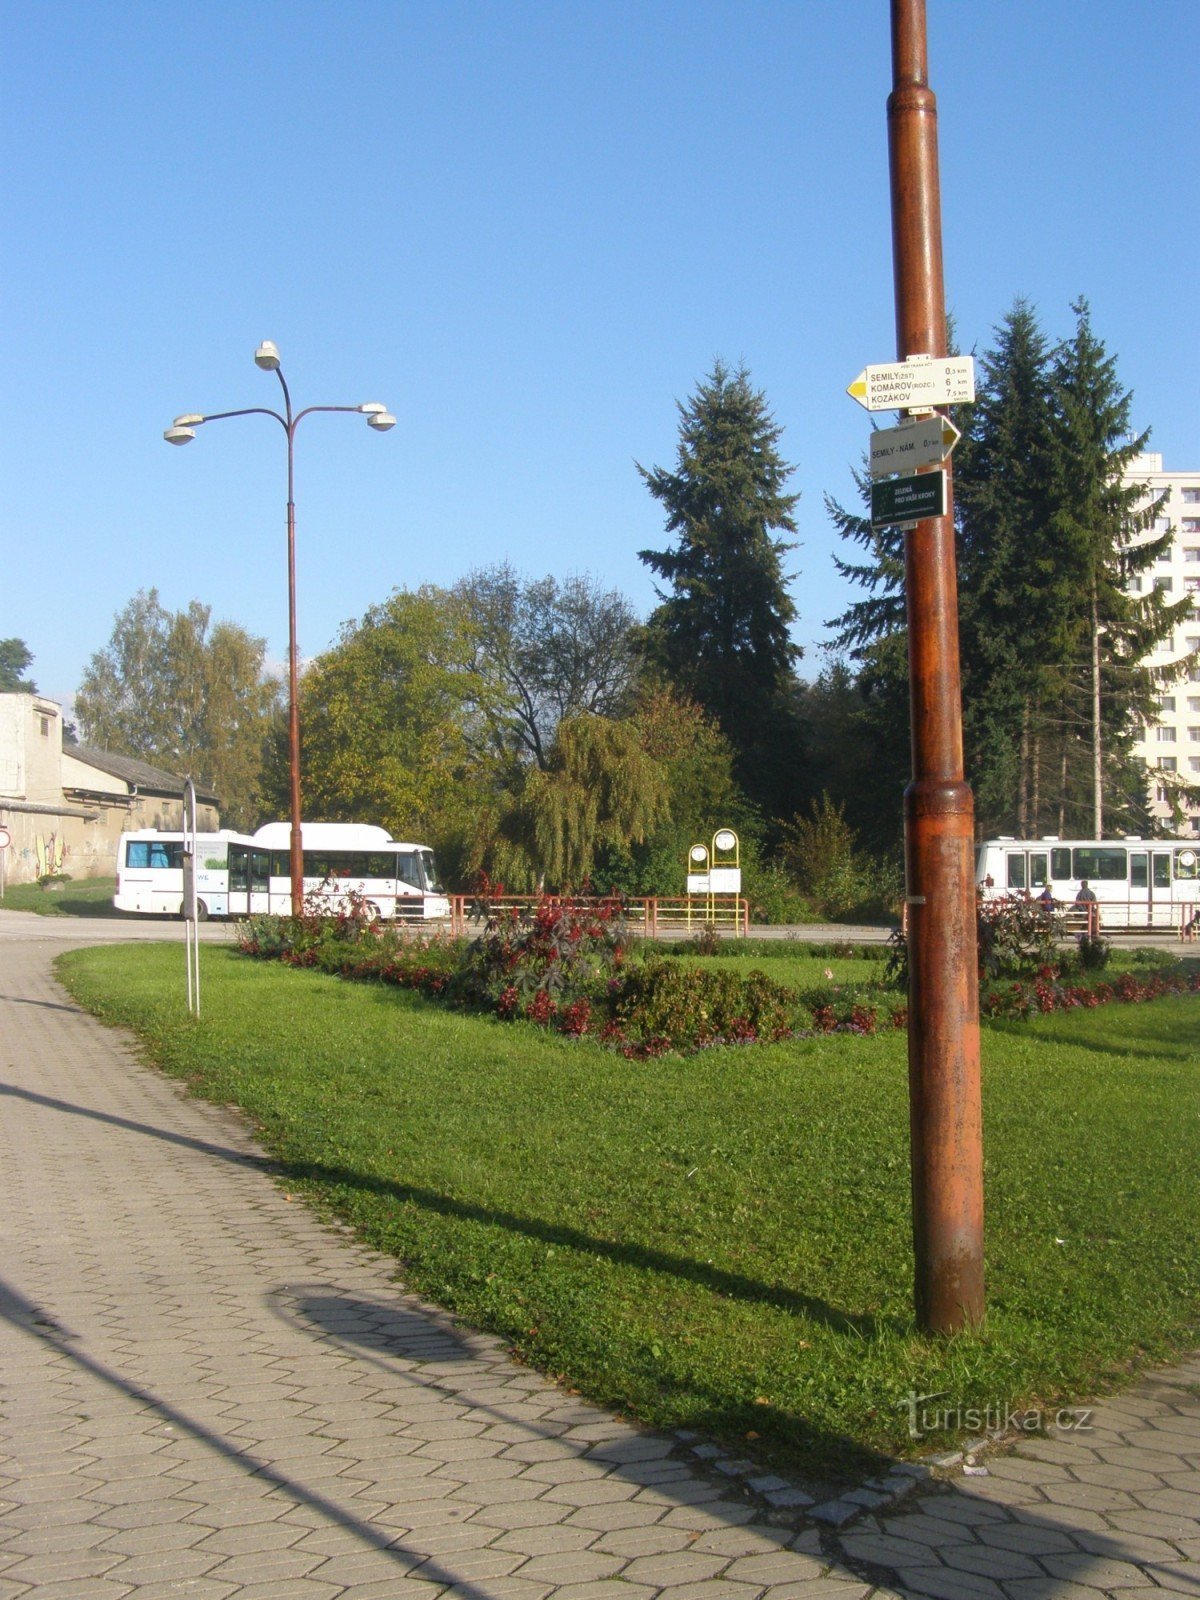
(689, 1008)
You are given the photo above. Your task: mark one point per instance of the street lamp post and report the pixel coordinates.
(183, 431)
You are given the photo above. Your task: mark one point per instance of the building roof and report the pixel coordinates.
(137, 774)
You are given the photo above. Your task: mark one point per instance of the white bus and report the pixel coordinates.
(396, 879)
(1138, 883)
(150, 872)
(239, 874)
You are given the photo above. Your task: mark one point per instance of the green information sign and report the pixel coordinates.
(908, 499)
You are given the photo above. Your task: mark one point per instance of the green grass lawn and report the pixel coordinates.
(719, 1242)
(77, 897)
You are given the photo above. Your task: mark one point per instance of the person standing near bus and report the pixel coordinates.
(1086, 896)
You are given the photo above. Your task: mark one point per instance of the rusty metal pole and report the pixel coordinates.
(943, 1053)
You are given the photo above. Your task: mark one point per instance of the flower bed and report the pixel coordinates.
(569, 966)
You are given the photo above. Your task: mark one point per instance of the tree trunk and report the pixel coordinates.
(1023, 776)
(1097, 751)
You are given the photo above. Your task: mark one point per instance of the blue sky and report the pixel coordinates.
(530, 229)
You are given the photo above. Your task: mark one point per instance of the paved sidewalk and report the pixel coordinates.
(205, 1392)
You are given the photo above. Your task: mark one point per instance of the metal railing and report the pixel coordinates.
(647, 916)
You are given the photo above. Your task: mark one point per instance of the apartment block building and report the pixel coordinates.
(1170, 745)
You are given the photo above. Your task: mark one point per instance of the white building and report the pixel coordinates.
(1170, 746)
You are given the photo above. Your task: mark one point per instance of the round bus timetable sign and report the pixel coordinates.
(5, 838)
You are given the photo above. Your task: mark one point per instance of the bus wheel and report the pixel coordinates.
(201, 911)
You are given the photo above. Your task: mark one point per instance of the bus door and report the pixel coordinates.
(249, 880)
(1161, 911)
(1139, 888)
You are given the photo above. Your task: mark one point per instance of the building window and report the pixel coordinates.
(1194, 702)
(1191, 524)
(1169, 764)
(1194, 735)
(45, 727)
(1167, 735)
(1194, 763)
(1166, 702)
(1134, 586)
(1191, 552)
(1191, 496)
(1166, 583)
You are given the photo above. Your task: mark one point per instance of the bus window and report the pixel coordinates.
(1162, 870)
(431, 872)
(408, 869)
(142, 853)
(1016, 871)
(1060, 862)
(1100, 863)
(1139, 870)
(1039, 864)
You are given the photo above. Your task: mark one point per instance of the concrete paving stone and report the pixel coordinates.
(412, 1514)
(501, 1491)
(485, 1470)
(989, 1562)
(59, 1566)
(1099, 1571)
(571, 1468)
(642, 1447)
(268, 1566)
(1020, 1469)
(1047, 1588)
(827, 1588)
(652, 1540)
(288, 1589)
(1028, 1538)
(573, 1566)
(779, 1566)
(886, 1549)
(42, 1541)
(745, 1541)
(251, 1536)
(1089, 1496)
(469, 1566)
(1182, 1577)
(1157, 1441)
(695, 1491)
(946, 1584)
(538, 1450)
(523, 1514)
(149, 1513)
(368, 1566)
(1170, 1500)
(668, 1471)
(79, 1589)
(710, 1589)
(449, 1541)
(614, 1514)
(165, 1566)
(59, 1488)
(716, 1514)
(1120, 1475)
(132, 1491)
(974, 1501)
(589, 1492)
(604, 1589)
(546, 1539)
(675, 1567)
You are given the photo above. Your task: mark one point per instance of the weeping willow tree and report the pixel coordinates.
(600, 789)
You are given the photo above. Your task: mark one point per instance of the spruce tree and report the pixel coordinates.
(1101, 520)
(721, 633)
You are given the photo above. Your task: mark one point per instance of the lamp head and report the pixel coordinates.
(381, 421)
(267, 356)
(178, 435)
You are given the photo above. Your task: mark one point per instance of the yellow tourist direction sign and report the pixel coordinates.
(917, 384)
(921, 442)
